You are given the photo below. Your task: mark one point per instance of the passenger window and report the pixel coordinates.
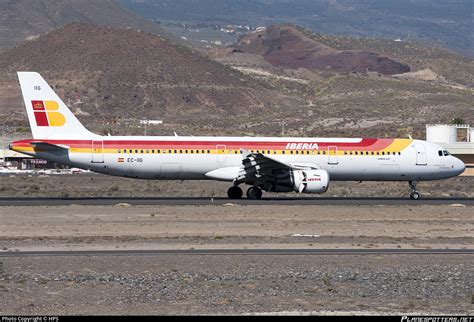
(445, 152)
(440, 153)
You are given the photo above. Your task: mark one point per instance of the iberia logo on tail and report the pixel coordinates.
(46, 113)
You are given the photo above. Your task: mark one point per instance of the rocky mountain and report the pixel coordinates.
(442, 23)
(116, 75)
(289, 47)
(111, 78)
(23, 20)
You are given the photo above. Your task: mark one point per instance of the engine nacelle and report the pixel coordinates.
(307, 181)
(310, 181)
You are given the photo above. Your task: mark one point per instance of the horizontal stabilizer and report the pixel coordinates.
(49, 146)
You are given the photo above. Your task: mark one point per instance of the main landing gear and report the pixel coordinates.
(254, 193)
(236, 192)
(415, 195)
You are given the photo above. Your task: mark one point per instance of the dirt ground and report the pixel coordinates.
(235, 226)
(236, 284)
(96, 185)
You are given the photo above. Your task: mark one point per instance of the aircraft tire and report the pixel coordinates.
(234, 193)
(415, 195)
(254, 193)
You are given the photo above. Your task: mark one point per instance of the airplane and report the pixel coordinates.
(272, 164)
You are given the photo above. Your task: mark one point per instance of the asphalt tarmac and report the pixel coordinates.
(395, 251)
(201, 201)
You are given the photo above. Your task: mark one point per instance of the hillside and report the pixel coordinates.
(438, 89)
(116, 75)
(289, 47)
(444, 23)
(112, 78)
(23, 20)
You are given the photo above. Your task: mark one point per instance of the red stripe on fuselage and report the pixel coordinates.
(370, 144)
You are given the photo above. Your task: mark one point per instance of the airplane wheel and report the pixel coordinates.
(415, 195)
(234, 193)
(254, 193)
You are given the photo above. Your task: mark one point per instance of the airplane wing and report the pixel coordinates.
(260, 167)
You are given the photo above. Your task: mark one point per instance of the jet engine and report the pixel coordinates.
(307, 181)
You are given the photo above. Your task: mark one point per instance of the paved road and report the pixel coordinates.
(395, 251)
(10, 201)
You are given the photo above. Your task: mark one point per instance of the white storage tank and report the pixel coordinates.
(441, 133)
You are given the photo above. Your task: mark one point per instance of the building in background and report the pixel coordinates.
(457, 139)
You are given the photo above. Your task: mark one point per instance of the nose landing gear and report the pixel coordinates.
(414, 194)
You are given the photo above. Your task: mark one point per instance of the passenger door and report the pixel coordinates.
(332, 155)
(420, 154)
(221, 152)
(97, 152)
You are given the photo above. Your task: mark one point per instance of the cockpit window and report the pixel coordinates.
(443, 153)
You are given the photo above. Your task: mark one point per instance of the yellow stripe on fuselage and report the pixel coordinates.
(398, 145)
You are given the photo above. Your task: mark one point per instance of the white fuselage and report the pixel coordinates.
(191, 158)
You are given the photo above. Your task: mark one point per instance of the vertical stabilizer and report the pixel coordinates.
(49, 117)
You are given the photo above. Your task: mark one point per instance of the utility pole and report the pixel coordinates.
(282, 128)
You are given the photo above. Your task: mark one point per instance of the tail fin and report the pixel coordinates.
(49, 117)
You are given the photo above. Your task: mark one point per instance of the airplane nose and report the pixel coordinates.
(459, 166)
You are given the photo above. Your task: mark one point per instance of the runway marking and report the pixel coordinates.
(281, 252)
(112, 201)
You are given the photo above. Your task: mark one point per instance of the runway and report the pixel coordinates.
(259, 252)
(202, 201)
